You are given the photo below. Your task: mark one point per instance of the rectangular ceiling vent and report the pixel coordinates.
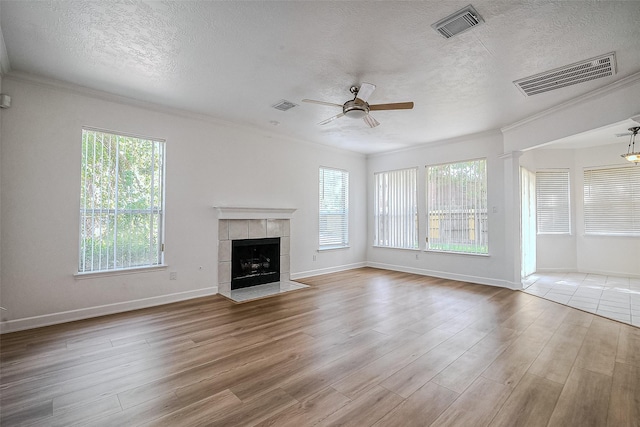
(580, 72)
(284, 105)
(458, 22)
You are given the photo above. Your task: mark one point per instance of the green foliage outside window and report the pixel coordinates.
(121, 202)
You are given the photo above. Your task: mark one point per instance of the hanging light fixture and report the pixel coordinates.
(633, 155)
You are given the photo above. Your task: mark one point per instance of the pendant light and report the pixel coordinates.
(633, 155)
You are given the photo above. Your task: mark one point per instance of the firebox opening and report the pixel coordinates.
(255, 262)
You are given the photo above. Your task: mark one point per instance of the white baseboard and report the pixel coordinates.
(102, 310)
(310, 273)
(447, 275)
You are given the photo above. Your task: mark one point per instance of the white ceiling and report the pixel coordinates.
(234, 60)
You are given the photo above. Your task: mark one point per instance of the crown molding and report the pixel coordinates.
(603, 91)
(439, 142)
(110, 97)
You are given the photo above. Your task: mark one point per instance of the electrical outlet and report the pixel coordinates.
(417, 257)
(173, 275)
(314, 257)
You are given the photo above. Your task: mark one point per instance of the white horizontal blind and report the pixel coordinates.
(334, 208)
(553, 209)
(457, 207)
(396, 209)
(612, 201)
(121, 202)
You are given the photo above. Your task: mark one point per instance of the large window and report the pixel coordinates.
(396, 209)
(553, 210)
(457, 207)
(121, 202)
(612, 201)
(334, 208)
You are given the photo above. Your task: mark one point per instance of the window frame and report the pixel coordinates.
(344, 212)
(480, 218)
(157, 249)
(404, 214)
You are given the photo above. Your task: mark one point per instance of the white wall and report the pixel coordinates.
(609, 255)
(208, 164)
(2, 313)
(494, 269)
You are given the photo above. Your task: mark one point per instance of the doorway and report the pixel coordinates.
(528, 221)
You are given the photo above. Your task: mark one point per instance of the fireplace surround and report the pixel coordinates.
(243, 223)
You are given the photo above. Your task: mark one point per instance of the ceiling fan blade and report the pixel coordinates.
(330, 119)
(392, 106)
(365, 91)
(368, 119)
(623, 134)
(330, 104)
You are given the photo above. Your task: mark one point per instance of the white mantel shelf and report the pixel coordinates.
(231, 212)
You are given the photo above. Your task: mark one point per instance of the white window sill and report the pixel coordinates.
(395, 247)
(105, 273)
(332, 248)
(455, 253)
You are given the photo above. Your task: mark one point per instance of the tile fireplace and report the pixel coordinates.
(261, 238)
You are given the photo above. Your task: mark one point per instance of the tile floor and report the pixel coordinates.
(614, 297)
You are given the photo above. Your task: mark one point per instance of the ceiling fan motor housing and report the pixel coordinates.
(355, 109)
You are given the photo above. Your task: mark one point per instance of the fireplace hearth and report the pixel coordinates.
(254, 262)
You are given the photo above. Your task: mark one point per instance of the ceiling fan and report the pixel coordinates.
(359, 108)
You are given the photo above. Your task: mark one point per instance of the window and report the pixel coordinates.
(396, 209)
(121, 202)
(334, 208)
(612, 201)
(553, 210)
(457, 207)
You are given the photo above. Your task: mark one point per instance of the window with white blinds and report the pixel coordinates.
(121, 202)
(612, 201)
(334, 208)
(553, 208)
(457, 207)
(396, 209)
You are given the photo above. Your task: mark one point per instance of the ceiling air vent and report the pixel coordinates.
(284, 105)
(583, 71)
(458, 22)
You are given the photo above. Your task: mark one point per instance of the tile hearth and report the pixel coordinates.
(262, 291)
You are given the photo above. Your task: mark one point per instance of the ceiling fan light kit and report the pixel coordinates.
(355, 109)
(359, 108)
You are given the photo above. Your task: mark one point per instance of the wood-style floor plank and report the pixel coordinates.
(422, 408)
(360, 347)
(584, 400)
(624, 404)
(530, 404)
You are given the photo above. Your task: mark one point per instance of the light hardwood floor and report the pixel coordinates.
(364, 347)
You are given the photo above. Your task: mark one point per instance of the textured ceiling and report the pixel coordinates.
(233, 60)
